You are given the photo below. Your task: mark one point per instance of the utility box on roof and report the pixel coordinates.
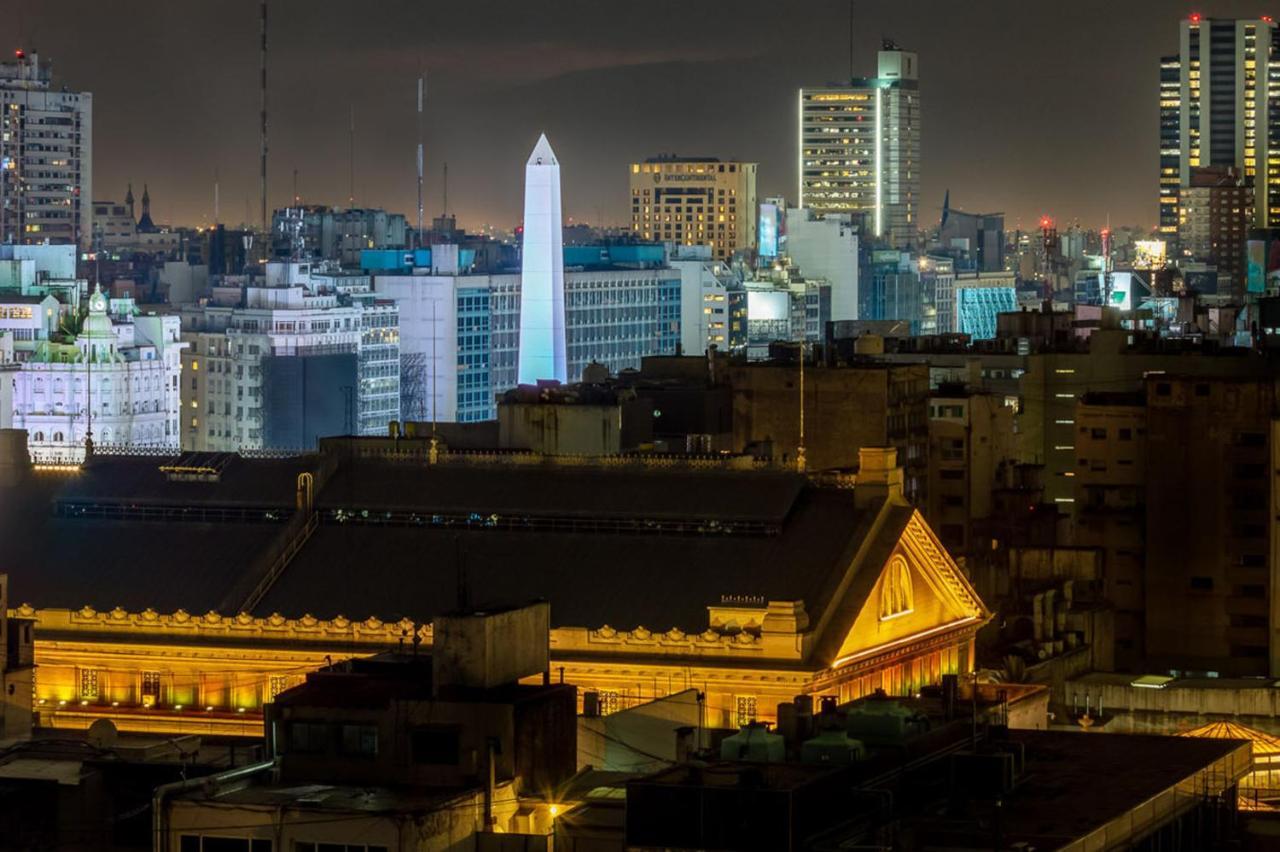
(485, 649)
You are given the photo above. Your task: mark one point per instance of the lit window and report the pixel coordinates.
(896, 596)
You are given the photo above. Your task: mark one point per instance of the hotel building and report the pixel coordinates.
(695, 201)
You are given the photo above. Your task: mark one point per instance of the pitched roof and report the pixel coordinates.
(626, 546)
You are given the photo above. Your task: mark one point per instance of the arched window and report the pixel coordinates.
(57, 437)
(896, 596)
(39, 437)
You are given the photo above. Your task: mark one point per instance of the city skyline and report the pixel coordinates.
(500, 74)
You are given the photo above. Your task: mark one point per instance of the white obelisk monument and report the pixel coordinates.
(542, 341)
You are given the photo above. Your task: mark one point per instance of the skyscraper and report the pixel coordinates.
(46, 157)
(859, 148)
(695, 201)
(1220, 106)
(542, 342)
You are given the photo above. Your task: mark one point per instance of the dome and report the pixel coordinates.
(97, 324)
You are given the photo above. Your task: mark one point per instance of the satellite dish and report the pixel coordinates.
(103, 733)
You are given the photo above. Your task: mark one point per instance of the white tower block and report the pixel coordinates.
(542, 342)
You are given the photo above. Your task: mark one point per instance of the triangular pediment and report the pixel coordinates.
(916, 593)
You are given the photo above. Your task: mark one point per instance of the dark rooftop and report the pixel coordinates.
(625, 545)
(1078, 782)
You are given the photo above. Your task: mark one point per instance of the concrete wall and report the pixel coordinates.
(554, 428)
(485, 650)
(631, 740)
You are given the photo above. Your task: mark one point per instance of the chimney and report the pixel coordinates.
(879, 477)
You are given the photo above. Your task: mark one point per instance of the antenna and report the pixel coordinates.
(216, 217)
(295, 186)
(422, 93)
(850, 40)
(435, 333)
(351, 192)
(445, 211)
(264, 124)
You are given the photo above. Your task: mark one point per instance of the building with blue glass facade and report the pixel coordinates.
(460, 333)
(979, 299)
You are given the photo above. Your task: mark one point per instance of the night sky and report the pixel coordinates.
(1029, 107)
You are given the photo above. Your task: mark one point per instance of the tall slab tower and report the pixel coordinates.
(542, 340)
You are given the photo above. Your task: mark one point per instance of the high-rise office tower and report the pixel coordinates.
(859, 147)
(542, 341)
(695, 201)
(46, 157)
(1220, 107)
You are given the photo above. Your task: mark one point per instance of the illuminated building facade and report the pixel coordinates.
(621, 303)
(1220, 106)
(751, 585)
(705, 321)
(118, 377)
(46, 157)
(542, 305)
(1214, 213)
(859, 148)
(238, 356)
(695, 201)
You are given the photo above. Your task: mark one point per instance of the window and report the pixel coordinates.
(151, 686)
(1126, 434)
(951, 474)
(312, 846)
(1251, 439)
(435, 744)
(277, 684)
(895, 589)
(746, 709)
(360, 740)
(89, 684)
(1202, 584)
(308, 738)
(1098, 434)
(204, 843)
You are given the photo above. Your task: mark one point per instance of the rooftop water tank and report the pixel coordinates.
(884, 722)
(832, 747)
(754, 742)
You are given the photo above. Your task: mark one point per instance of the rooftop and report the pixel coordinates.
(625, 544)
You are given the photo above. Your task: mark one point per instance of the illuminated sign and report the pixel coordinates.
(704, 177)
(1256, 277)
(1149, 254)
(768, 230)
(768, 305)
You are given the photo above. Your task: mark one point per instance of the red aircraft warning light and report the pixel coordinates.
(20, 53)
(1195, 17)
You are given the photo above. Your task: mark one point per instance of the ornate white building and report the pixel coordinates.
(119, 378)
